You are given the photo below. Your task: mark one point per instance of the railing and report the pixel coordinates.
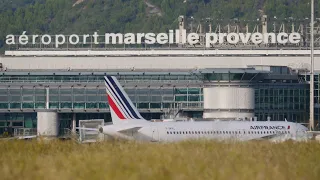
(22, 132)
(87, 106)
(63, 133)
(8, 80)
(162, 53)
(189, 105)
(66, 133)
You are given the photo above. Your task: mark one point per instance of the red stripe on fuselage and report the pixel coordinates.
(115, 108)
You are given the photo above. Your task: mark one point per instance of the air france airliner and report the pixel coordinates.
(127, 123)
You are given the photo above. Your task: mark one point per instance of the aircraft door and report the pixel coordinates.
(155, 134)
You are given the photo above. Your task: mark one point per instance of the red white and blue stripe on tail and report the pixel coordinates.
(119, 101)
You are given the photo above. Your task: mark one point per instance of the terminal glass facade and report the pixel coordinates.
(306, 77)
(154, 94)
(88, 98)
(281, 102)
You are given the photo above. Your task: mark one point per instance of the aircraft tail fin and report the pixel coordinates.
(121, 107)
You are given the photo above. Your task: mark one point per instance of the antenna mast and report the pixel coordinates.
(311, 123)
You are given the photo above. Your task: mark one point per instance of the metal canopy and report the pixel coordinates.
(98, 73)
(230, 70)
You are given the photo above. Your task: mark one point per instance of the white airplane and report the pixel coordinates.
(129, 124)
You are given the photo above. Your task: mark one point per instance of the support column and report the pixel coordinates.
(48, 124)
(47, 97)
(264, 24)
(182, 30)
(74, 123)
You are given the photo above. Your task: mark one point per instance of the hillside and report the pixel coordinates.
(87, 16)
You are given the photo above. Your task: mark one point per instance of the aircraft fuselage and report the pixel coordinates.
(219, 130)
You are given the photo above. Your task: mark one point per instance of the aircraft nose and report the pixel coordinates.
(300, 127)
(303, 128)
(303, 132)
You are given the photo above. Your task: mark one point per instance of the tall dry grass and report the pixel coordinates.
(58, 160)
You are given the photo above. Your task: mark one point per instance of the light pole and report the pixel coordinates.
(311, 122)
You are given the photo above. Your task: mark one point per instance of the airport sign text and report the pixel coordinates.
(173, 37)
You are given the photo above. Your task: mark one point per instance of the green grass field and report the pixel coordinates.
(57, 160)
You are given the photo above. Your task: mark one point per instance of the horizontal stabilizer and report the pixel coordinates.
(88, 129)
(314, 132)
(132, 129)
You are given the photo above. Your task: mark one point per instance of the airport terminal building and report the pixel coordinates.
(72, 88)
(45, 87)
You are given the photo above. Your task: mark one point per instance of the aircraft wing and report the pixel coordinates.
(272, 136)
(268, 137)
(283, 137)
(313, 134)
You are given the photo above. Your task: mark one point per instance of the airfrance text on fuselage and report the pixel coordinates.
(268, 127)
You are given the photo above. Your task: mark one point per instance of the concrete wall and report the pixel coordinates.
(154, 62)
(48, 124)
(228, 102)
(227, 115)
